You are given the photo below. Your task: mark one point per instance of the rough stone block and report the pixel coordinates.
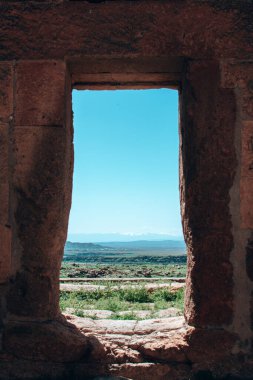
(40, 93)
(247, 149)
(195, 345)
(246, 181)
(249, 260)
(4, 143)
(209, 345)
(40, 187)
(6, 91)
(41, 197)
(246, 101)
(50, 341)
(67, 28)
(147, 371)
(4, 203)
(5, 253)
(209, 270)
(38, 152)
(4, 177)
(246, 199)
(236, 74)
(239, 75)
(38, 298)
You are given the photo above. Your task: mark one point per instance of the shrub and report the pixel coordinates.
(113, 305)
(88, 295)
(164, 294)
(79, 313)
(125, 317)
(135, 295)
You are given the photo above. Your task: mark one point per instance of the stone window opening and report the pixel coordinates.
(98, 131)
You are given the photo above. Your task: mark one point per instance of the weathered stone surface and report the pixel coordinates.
(39, 183)
(40, 93)
(249, 259)
(246, 181)
(209, 345)
(90, 371)
(33, 295)
(25, 369)
(168, 324)
(111, 378)
(50, 341)
(207, 174)
(155, 342)
(5, 253)
(147, 29)
(4, 173)
(122, 341)
(143, 314)
(6, 91)
(247, 149)
(42, 200)
(117, 327)
(238, 75)
(150, 371)
(4, 201)
(4, 151)
(171, 349)
(246, 200)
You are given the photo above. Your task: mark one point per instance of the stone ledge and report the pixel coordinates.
(74, 339)
(47, 341)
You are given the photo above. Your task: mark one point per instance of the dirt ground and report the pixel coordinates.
(75, 270)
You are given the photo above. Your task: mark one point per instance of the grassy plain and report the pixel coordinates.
(126, 302)
(127, 299)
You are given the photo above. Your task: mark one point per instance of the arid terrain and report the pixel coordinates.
(133, 280)
(79, 270)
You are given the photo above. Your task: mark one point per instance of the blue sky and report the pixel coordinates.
(126, 162)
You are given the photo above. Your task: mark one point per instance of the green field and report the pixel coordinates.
(127, 300)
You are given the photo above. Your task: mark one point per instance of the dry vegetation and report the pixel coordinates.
(127, 301)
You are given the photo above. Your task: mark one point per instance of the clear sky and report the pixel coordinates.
(126, 162)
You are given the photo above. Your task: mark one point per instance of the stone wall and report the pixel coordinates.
(203, 48)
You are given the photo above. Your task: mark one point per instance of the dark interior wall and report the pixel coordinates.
(202, 47)
(205, 29)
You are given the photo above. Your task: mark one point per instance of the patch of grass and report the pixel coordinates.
(91, 295)
(165, 295)
(131, 299)
(139, 295)
(79, 313)
(113, 305)
(179, 302)
(125, 317)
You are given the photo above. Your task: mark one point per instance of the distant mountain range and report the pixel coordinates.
(145, 244)
(138, 246)
(127, 252)
(82, 246)
(118, 237)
